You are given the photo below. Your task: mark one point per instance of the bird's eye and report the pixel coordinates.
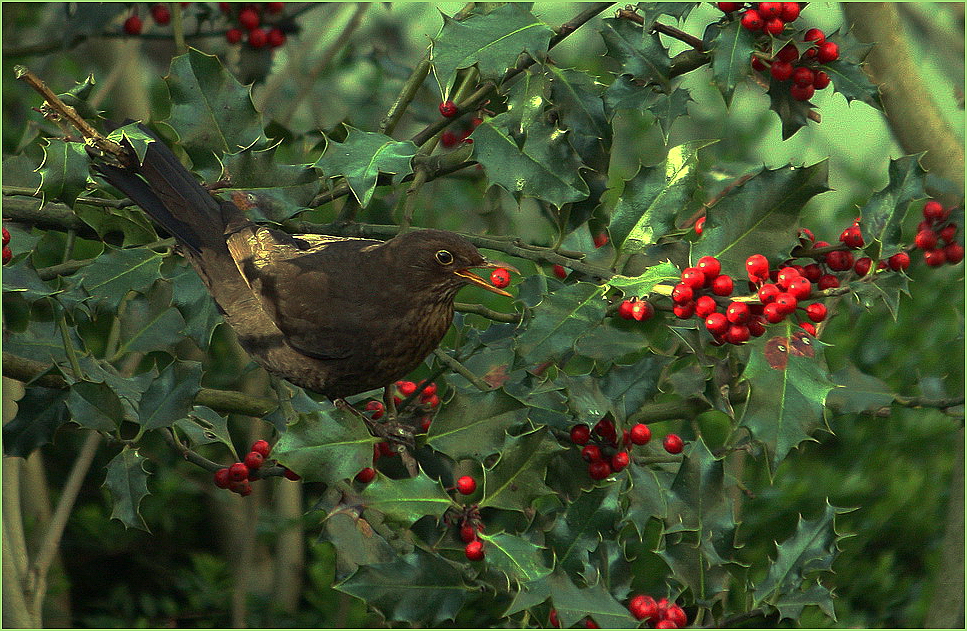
(443, 257)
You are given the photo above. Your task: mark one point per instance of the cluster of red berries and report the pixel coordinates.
(635, 309)
(469, 523)
(603, 454)
(236, 478)
(7, 254)
(381, 449)
(801, 70)
(251, 22)
(661, 614)
(768, 17)
(935, 236)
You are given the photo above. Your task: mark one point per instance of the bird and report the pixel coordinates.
(335, 315)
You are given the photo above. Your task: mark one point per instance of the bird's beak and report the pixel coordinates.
(470, 277)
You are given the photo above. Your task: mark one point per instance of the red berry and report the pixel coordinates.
(643, 607)
(466, 485)
(642, 310)
(801, 93)
(954, 253)
(699, 225)
(468, 533)
(693, 277)
(262, 447)
(366, 475)
(291, 475)
(788, 53)
(257, 38)
(812, 272)
(737, 334)
(815, 35)
(238, 472)
(821, 81)
(786, 275)
(790, 11)
(684, 311)
(599, 470)
(6, 236)
(852, 237)
(803, 76)
(757, 64)
(723, 285)
(933, 211)
(862, 266)
(705, 306)
(425, 423)
(7, 255)
(781, 70)
(774, 26)
(276, 37)
(276, 7)
(225, 7)
(605, 428)
(729, 7)
(757, 267)
(248, 18)
(710, 267)
(620, 460)
(233, 35)
(580, 434)
(808, 327)
(773, 313)
(560, 272)
(828, 51)
(591, 453)
(935, 258)
(432, 401)
(816, 312)
(474, 550)
(133, 25)
(682, 293)
(716, 323)
(600, 239)
(839, 260)
(800, 288)
(448, 109)
(751, 20)
(828, 281)
(925, 239)
(899, 261)
(254, 460)
(768, 292)
(625, 309)
(222, 479)
(406, 388)
(948, 233)
(769, 9)
(738, 313)
(674, 613)
(805, 234)
(640, 434)
(756, 328)
(786, 303)
(376, 407)
(160, 14)
(589, 623)
(673, 444)
(553, 615)
(449, 139)
(500, 278)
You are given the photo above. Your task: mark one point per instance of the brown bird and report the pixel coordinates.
(335, 315)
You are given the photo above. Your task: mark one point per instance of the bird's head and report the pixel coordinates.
(440, 260)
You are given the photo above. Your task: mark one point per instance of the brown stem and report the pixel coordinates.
(671, 31)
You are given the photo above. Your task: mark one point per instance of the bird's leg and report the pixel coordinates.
(389, 402)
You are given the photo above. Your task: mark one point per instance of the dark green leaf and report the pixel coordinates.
(268, 189)
(526, 100)
(847, 74)
(41, 341)
(608, 342)
(196, 306)
(577, 98)
(628, 93)
(886, 288)
(574, 604)
(559, 320)
(149, 322)
(793, 113)
(77, 97)
(355, 542)
(21, 278)
(473, 425)
(646, 496)
(650, 11)
(116, 272)
(493, 42)
(95, 406)
(630, 386)
(170, 396)
(859, 392)
(518, 477)
(667, 108)
(205, 426)
(684, 553)
(132, 223)
(362, 157)
(578, 530)
(640, 53)
(406, 500)
(516, 558)
(128, 483)
(731, 47)
(325, 446)
(420, 588)
(882, 216)
(584, 398)
(133, 135)
(39, 413)
(64, 172)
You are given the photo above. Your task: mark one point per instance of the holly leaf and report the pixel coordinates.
(474, 425)
(128, 483)
(639, 52)
(760, 216)
(685, 553)
(629, 386)
(39, 413)
(133, 135)
(20, 278)
(668, 107)
(518, 477)
(515, 557)
(886, 288)
(133, 223)
(846, 73)
(211, 112)
(526, 100)
(545, 167)
(355, 542)
(170, 396)
(578, 530)
(628, 93)
(362, 157)
(559, 320)
(731, 47)
(325, 446)
(205, 426)
(574, 604)
(96, 406)
(642, 285)
(116, 272)
(651, 199)
(882, 216)
(650, 11)
(788, 383)
(611, 340)
(646, 496)
(64, 172)
(793, 113)
(266, 188)
(408, 499)
(149, 322)
(492, 42)
(419, 588)
(577, 98)
(859, 393)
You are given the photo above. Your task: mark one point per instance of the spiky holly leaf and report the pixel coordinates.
(325, 446)
(170, 396)
(628, 93)
(788, 383)
(133, 223)
(40, 340)
(847, 74)
(646, 491)
(518, 559)
(793, 114)
(639, 52)
(882, 216)
(355, 541)
(77, 97)
(580, 527)
(21, 279)
(651, 199)
(574, 604)
(577, 99)
(64, 171)
(809, 551)
(492, 42)
(546, 166)
(668, 107)
(526, 100)
(559, 320)
(127, 481)
(419, 588)
(611, 341)
(133, 135)
(791, 605)
(518, 477)
(584, 398)
(266, 188)
(211, 112)
(665, 272)
(205, 426)
(474, 425)
(731, 47)
(685, 553)
(116, 272)
(362, 157)
(149, 322)
(886, 289)
(195, 303)
(628, 386)
(760, 216)
(39, 413)
(95, 406)
(859, 393)
(407, 499)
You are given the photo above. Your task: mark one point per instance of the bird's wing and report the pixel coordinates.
(293, 282)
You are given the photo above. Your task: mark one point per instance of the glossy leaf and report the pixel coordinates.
(731, 47)
(408, 499)
(205, 426)
(640, 53)
(518, 477)
(574, 604)
(578, 530)
(474, 425)
(642, 285)
(39, 413)
(882, 216)
(116, 272)
(325, 446)
(196, 305)
(64, 172)
(128, 483)
(577, 99)
(149, 322)
(646, 496)
(170, 396)
(515, 557)
(362, 157)
(95, 406)
(559, 320)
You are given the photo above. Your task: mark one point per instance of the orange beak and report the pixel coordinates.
(470, 277)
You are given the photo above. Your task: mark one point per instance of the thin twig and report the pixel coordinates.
(410, 88)
(671, 31)
(462, 370)
(490, 314)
